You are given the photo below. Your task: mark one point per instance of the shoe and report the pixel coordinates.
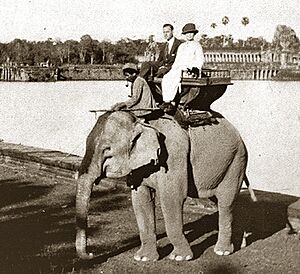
(168, 107)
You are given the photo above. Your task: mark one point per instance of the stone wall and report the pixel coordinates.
(44, 74)
(238, 71)
(288, 75)
(243, 71)
(27, 73)
(91, 72)
(41, 160)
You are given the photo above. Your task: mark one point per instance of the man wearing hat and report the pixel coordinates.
(189, 58)
(141, 96)
(166, 56)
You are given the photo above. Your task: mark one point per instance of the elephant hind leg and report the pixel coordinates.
(144, 209)
(224, 245)
(226, 194)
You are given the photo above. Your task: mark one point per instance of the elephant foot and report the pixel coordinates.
(176, 255)
(143, 255)
(86, 256)
(223, 250)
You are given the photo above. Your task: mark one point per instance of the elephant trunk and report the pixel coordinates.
(92, 168)
(84, 189)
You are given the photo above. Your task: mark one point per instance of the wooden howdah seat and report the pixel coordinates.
(196, 96)
(199, 93)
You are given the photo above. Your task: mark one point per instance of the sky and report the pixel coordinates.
(115, 19)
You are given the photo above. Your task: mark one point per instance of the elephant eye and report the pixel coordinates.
(106, 151)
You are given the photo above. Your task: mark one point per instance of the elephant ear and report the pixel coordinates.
(144, 146)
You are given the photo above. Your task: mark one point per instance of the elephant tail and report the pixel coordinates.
(252, 194)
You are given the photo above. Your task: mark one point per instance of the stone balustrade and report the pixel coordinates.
(244, 57)
(285, 59)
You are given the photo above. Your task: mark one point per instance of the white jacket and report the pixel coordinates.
(189, 55)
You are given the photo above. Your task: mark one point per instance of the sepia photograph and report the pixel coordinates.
(150, 136)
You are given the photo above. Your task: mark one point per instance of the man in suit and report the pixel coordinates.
(166, 56)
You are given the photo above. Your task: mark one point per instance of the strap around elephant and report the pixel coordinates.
(194, 118)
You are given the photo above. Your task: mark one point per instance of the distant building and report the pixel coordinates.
(267, 57)
(283, 59)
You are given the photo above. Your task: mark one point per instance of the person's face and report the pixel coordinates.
(130, 77)
(167, 32)
(189, 36)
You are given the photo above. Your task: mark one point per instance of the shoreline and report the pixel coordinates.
(53, 161)
(65, 165)
(114, 72)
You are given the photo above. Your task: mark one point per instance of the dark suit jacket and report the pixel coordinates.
(167, 60)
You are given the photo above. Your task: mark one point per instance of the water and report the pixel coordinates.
(56, 116)
(267, 115)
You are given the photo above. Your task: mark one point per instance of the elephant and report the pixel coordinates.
(160, 156)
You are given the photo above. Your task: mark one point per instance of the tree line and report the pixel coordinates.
(85, 51)
(92, 51)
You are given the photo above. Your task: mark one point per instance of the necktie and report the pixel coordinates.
(167, 49)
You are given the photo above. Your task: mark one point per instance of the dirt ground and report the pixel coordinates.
(37, 232)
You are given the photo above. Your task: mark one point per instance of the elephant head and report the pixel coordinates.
(122, 145)
(127, 144)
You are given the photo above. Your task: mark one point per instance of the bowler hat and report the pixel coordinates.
(130, 67)
(190, 27)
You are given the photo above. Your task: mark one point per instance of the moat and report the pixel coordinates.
(56, 116)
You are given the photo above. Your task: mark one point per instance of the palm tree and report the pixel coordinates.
(225, 21)
(245, 22)
(204, 40)
(213, 25)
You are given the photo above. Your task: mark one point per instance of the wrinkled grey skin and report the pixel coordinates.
(161, 156)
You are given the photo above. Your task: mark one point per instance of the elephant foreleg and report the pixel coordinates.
(144, 209)
(172, 210)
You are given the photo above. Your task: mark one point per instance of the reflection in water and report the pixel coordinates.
(56, 116)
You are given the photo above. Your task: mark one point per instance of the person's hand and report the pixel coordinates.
(194, 72)
(162, 71)
(118, 106)
(168, 107)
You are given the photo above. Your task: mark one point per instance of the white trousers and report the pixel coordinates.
(170, 84)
